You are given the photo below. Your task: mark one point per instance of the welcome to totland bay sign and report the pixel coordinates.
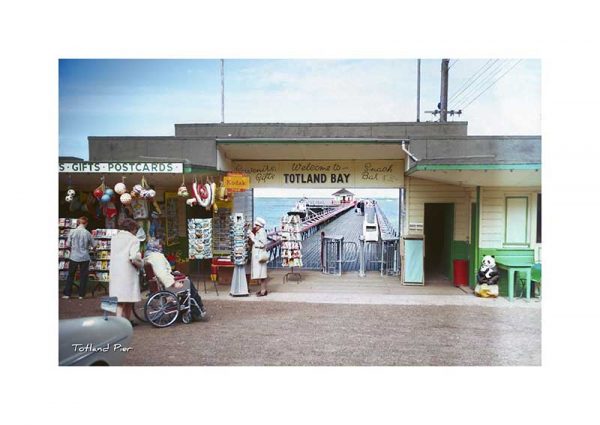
(325, 174)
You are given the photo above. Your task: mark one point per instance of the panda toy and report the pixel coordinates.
(487, 278)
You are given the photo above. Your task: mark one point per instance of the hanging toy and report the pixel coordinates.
(138, 189)
(222, 192)
(191, 202)
(98, 193)
(110, 210)
(201, 194)
(105, 198)
(69, 198)
(109, 192)
(125, 199)
(71, 192)
(213, 192)
(182, 191)
(120, 188)
(209, 199)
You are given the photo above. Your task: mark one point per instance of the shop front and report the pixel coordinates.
(187, 208)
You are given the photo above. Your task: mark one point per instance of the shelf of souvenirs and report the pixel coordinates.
(94, 276)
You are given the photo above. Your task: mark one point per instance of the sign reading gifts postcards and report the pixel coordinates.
(326, 174)
(120, 167)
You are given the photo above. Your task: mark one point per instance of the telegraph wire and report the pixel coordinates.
(469, 81)
(489, 73)
(469, 94)
(507, 71)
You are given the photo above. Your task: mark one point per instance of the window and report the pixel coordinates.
(516, 221)
(538, 231)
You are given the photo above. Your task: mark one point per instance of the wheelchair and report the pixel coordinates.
(161, 307)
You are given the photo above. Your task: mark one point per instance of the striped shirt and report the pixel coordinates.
(80, 241)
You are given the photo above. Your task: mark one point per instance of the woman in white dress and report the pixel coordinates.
(258, 236)
(125, 260)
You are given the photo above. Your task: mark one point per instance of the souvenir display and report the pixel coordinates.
(200, 238)
(291, 246)
(99, 257)
(239, 255)
(125, 199)
(221, 232)
(238, 229)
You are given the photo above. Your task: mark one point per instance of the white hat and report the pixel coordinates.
(260, 221)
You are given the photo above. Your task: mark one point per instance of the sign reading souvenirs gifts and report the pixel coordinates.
(120, 167)
(326, 174)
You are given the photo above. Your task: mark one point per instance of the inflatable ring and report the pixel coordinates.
(208, 201)
(202, 195)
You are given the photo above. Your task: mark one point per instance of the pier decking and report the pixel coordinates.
(348, 225)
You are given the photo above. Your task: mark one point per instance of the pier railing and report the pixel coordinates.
(310, 225)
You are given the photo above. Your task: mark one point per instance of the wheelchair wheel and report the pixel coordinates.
(162, 309)
(186, 317)
(140, 306)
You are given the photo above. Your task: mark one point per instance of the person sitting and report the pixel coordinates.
(172, 281)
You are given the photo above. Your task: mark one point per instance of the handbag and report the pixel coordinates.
(263, 257)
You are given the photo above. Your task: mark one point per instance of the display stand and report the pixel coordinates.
(239, 256)
(291, 245)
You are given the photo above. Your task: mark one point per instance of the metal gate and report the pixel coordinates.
(337, 255)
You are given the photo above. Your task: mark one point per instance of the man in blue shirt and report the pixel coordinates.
(79, 241)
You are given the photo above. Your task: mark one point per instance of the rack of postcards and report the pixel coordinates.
(238, 229)
(200, 238)
(65, 225)
(100, 258)
(291, 237)
(222, 243)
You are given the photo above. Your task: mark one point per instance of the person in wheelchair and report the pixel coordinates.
(175, 281)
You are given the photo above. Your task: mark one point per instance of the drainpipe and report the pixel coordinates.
(475, 265)
(404, 144)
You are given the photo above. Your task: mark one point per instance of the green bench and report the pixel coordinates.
(512, 262)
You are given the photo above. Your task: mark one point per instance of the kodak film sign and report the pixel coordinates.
(323, 174)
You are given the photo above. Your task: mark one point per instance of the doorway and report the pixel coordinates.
(439, 232)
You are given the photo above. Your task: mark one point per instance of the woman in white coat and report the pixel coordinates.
(125, 260)
(258, 236)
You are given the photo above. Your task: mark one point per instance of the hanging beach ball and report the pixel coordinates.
(138, 189)
(105, 198)
(125, 199)
(98, 193)
(120, 188)
(109, 192)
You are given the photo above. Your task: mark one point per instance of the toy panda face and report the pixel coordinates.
(488, 261)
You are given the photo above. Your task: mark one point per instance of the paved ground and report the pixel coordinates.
(251, 331)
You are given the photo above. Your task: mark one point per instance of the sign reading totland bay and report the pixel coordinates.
(325, 174)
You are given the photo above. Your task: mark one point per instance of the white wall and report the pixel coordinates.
(419, 192)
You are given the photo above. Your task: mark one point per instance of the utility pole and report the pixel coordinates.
(222, 90)
(444, 91)
(418, 90)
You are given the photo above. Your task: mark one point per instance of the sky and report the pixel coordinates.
(140, 97)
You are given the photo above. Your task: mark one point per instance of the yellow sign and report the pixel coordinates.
(236, 183)
(324, 174)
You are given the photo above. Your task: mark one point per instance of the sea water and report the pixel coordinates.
(272, 209)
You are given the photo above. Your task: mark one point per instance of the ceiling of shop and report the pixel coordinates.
(258, 151)
(516, 178)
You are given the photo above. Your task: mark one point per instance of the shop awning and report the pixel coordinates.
(315, 148)
(473, 174)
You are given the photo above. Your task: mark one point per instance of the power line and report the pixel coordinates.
(475, 90)
(489, 73)
(519, 61)
(469, 81)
